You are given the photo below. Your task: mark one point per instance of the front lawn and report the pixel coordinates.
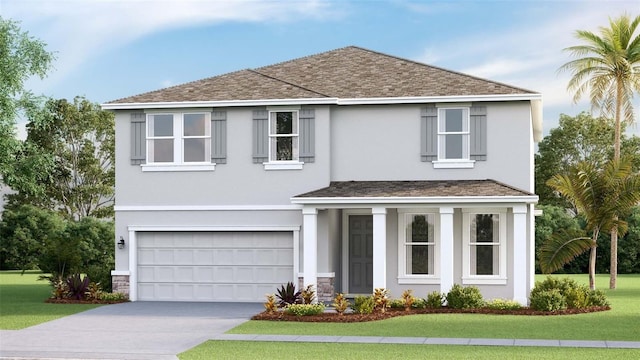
(282, 350)
(620, 323)
(22, 301)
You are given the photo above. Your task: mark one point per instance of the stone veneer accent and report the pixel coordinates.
(120, 283)
(326, 288)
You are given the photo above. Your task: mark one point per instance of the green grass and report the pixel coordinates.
(22, 301)
(280, 350)
(620, 323)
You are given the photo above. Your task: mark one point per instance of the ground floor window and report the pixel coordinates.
(417, 245)
(484, 248)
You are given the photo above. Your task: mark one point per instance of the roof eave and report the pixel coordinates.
(529, 199)
(321, 101)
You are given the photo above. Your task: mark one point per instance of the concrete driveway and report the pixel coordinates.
(137, 330)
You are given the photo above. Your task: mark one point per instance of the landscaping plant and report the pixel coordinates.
(270, 306)
(363, 305)
(555, 294)
(464, 297)
(304, 309)
(77, 286)
(408, 298)
(434, 300)
(94, 292)
(503, 304)
(287, 294)
(340, 304)
(380, 299)
(308, 294)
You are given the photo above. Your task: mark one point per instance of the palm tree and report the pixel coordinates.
(600, 195)
(608, 68)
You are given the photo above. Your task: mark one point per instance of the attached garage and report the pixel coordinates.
(212, 266)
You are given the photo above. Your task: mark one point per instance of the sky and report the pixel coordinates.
(110, 49)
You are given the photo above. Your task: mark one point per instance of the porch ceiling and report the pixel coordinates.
(411, 191)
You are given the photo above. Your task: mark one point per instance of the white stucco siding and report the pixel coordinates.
(383, 143)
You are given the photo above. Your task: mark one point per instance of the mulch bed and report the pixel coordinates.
(73, 301)
(351, 317)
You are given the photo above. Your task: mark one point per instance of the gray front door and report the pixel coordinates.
(360, 254)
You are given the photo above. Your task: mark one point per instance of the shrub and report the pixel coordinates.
(396, 304)
(434, 300)
(340, 304)
(503, 304)
(547, 300)
(94, 291)
(270, 306)
(363, 305)
(287, 294)
(60, 289)
(420, 303)
(464, 297)
(578, 297)
(574, 295)
(308, 294)
(77, 286)
(380, 299)
(597, 298)
(304, 309)
(105, 296)
(408, 298)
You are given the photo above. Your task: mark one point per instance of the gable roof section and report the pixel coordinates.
(347, 73)
(420, 191)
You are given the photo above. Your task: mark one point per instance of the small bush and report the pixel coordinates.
(464, 297)
(408, 298)
(270, 306)
(113, 296)
(503, 304)
(287, 294)
(420, 303)
(598, 298)
(363, 305)
(77, 286)
(380, 299)
(434, 300)
(340, 304)
(578, 297)
(94, 291)
(396, 304)
(60, 289)
(308, 295)
(548, 300)
(304, 309)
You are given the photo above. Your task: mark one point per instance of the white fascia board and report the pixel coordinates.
(438, 99)
(217, 104)
(416, 200)
(212, 228)
(320, 101)
(206, 207)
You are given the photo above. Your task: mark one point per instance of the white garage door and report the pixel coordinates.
(213, 266)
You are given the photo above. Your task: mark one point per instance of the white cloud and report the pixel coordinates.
(79, 30)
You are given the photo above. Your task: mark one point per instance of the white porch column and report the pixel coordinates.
(133, 266)
(379, 247)
(310, 246)
(446, 249)
(520, 258)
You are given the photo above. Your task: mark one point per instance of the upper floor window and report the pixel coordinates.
(283, 136)
(453, 134)
(179, 139)
(484, 247)
(417, 247)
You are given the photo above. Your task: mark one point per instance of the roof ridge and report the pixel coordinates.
(439, 68)
(288, 82)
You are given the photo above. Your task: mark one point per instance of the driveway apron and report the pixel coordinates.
(136, 330)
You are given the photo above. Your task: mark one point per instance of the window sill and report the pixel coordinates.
(283, 165)
(178, 167)
(426, 279)
(453, 164)
(484, 281)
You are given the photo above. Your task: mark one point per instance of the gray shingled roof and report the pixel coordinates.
(435, 188)
(349, 73)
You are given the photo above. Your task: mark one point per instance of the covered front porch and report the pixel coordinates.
(420, 235)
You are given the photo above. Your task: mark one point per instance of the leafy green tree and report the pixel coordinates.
(21, 57)
(553, 219)
(599, 194)
(630, 245)
(79, 136)
(578, 138)
(24, 233)
(608, 68)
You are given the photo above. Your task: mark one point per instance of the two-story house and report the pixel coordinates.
(349, 170)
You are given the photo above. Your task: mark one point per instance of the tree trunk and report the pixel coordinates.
(613, 271)
(592, 267)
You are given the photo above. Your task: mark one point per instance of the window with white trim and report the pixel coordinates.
(484, 249)
(179, 138)
(283, 136)
(453, 134)
(417, 247)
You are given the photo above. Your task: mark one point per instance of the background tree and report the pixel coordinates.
(600, 195)
(608, 68)
(579, 138)
(79, 136)
(21, 57)
(553, 219)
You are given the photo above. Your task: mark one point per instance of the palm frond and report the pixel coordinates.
(561, 248)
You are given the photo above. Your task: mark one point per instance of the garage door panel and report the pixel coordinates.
(208, 266)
